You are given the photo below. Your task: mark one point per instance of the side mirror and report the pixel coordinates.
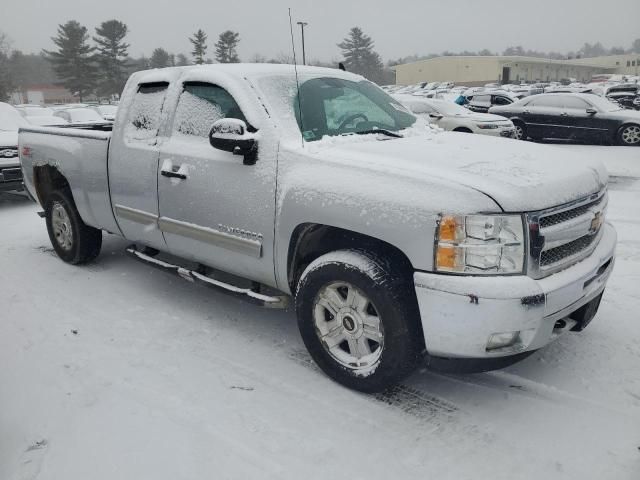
(231, 135)
(591, 111)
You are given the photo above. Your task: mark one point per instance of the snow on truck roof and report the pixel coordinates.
(240, 70)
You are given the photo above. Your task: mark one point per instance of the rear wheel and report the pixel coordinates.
(359, 319)
(73, 240)
(520, 132)
(629, 135)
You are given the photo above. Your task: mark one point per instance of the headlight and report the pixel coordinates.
(486, 126)
(480, 244)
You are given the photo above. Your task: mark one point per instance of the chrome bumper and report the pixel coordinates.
(460, 313)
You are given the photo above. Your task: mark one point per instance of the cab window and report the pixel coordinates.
(200, 106)
(144, 114)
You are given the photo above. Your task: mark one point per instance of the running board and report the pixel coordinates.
(252, 296)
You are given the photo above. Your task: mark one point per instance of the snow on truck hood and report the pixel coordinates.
(8, 139)
(520, 176)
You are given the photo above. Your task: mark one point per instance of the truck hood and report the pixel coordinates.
(520, 176)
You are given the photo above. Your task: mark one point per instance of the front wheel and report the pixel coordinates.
(73, 240)
(359, 319)
(520, 132)
(629, 135)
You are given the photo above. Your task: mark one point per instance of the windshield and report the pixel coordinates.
(450, 108)
(10, 119)
(330, 106)
(107, 109)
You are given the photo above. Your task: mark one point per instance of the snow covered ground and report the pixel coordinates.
(116, 370)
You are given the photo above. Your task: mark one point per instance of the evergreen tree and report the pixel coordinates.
(199, 42)
(160, 58)
(74, 62)
(112, 56)
(6, 79)
(182, 60)
(226, 47)
(360, 57)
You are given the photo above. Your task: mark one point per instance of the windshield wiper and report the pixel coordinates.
(388, 133)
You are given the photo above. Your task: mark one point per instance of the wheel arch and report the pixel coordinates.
(311, 240)
(47, 179)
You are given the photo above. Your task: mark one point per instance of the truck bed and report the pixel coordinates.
(80, 154)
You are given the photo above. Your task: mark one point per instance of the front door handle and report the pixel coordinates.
(170, 174)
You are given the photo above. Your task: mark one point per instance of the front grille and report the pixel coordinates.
(555, 255)
(8, 152)
(567, 215)
(561, 236)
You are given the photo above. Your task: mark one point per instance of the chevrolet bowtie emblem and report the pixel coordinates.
(8, 153)
(596, 223)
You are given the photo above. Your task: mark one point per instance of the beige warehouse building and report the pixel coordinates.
(479, 70)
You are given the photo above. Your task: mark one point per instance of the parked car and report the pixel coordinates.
(453, 117)
(46, 121)
(82, 115)
(107, 112)
(394, 239)
(34, 111)
(481, 102)
(573, 116)
(624, 99)
(10, 173)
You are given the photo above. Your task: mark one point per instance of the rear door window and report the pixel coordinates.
(144, 115)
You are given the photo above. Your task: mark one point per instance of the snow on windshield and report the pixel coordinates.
(195, 115)
(10, 119)
(331, 106)
(84, 115)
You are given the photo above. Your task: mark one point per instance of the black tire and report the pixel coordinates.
(84, 242)
(628, 135)
(392, 298)
(521, 130)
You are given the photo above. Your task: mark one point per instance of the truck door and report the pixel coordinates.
(133, 167)
(219, 211)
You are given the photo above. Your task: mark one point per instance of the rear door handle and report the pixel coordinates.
(170, 174)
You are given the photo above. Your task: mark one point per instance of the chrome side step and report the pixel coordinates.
(268, 301)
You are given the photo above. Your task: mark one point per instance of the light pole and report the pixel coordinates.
(304, 57)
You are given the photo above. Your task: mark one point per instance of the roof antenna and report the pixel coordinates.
(295, 66)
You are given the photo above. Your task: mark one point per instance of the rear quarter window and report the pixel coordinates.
(144, 114)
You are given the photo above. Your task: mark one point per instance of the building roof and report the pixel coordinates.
(513, 59)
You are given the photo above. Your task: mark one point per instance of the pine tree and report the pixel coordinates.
(112, 56)
(160, 58)
(226, 47)
(182, 60)
(199, 41)
(360, 57)
(6, 79)
(74, 62)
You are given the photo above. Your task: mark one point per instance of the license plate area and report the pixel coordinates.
(585, 314)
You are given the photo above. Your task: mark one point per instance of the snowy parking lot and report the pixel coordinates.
(117, 370)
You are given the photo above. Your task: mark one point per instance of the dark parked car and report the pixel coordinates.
(625, 99)
(481, 102)
(572, 116)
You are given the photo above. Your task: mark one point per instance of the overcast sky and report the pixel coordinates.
(399, 28)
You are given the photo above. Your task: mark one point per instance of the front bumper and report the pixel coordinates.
(460, 313)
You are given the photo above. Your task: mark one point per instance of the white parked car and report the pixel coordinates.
(10, 171)
(108, 112)
(451, 116)
(46, 121)
(34, 111)
(82, 115)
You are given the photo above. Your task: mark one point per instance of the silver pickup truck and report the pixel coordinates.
(398, 242)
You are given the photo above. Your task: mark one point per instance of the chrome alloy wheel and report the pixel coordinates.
(61, 224)
(519, 132)
(631, 135)
(348, 326)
